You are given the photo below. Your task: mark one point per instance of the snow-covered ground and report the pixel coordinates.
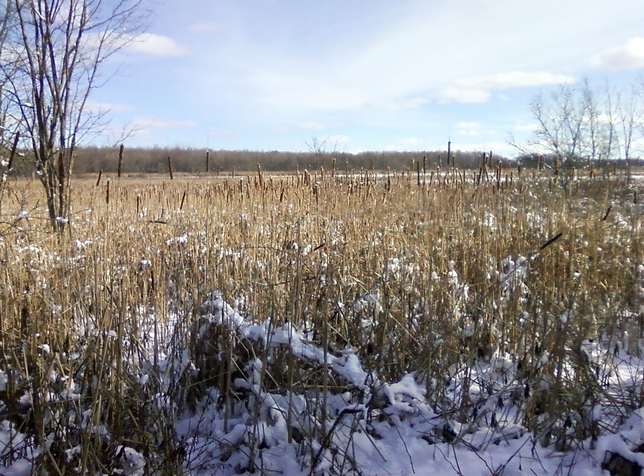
(374, 428)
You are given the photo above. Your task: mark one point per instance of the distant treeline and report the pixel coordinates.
(551, 161)
(92, 160)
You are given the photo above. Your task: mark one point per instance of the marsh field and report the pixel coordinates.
(474, 322)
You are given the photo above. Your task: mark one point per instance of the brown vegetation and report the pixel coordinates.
(411, 270)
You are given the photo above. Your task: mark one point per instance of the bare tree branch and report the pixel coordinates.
(59, 48)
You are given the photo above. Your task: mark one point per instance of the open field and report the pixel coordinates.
(323, 324)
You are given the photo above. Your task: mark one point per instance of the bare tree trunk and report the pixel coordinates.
(60, 46)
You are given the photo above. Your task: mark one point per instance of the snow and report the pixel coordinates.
(402, 434)
(407, 436)
(133, 461)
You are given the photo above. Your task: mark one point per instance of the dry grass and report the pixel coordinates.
(407, 270)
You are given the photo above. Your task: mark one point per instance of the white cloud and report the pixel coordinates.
(337, 140)
(156, 45)
(627, 56)
(468, 128)
(478, 88)
(463, 95)
(376, 66)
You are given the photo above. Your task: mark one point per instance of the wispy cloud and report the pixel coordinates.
(156, 45)
(479, 88)
(516, 79)
(469, 128)
(463, 95)
(281, 72)
(337, 140)
(102, 107)
(627, 56)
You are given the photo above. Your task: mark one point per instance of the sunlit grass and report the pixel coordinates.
(434, 275)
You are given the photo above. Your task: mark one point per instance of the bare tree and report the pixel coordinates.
(610, 144)
(562, 123)
(58, 48)
(8, 136)
(594, 127)
(584, 122)
(318, 147)
(7, 18)
(630, 117)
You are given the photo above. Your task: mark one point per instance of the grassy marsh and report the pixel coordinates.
(434, 275)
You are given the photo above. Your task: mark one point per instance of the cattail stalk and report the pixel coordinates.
(120, 164)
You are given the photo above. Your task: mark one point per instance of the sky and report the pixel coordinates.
(357, 75)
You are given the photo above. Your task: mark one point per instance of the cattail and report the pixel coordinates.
(259, 175)
(120, 164)
(170, 168)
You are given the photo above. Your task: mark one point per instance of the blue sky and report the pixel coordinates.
(361, 74)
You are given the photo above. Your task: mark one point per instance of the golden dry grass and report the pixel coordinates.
(406, 270)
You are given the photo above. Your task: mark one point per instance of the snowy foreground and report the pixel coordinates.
(375, 428)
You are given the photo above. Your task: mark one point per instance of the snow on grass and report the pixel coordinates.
(471, 420)
(403, 434)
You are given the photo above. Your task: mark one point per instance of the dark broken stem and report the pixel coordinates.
(551, 241)
(531, 257)
(118, 172)
(607, 213)
(13, 151)
(327, 438)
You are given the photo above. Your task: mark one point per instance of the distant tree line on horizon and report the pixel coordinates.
(92, 160)
(155, 160)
